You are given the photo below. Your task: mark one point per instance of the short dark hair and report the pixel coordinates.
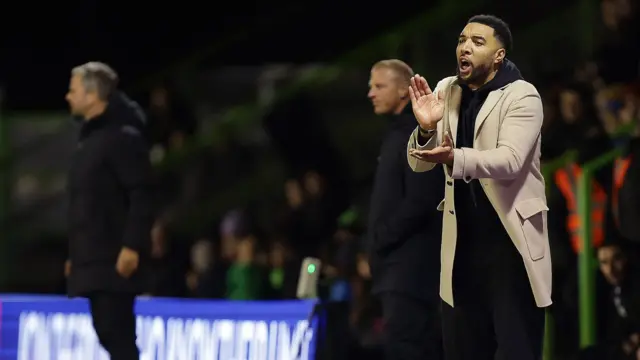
(500, 28)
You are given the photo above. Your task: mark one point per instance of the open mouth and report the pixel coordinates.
(464, 66)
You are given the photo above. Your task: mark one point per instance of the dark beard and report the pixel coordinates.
(478, 75)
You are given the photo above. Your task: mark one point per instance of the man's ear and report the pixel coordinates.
(500, 54)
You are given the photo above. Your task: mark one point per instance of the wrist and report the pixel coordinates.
(450, 158)
(426, 131)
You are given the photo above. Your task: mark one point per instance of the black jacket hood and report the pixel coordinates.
(121, 112)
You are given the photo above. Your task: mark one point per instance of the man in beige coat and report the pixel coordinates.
(484, 126)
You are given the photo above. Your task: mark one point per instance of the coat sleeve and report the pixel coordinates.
(414, 143)
(129, 158)
(518, 134)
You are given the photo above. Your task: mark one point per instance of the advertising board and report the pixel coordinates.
(57, 328)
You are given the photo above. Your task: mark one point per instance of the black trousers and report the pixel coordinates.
(115, 324)
(412, 328)
(494, 315)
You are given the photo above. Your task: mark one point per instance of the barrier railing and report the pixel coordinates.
(550, 167)
(586, 258)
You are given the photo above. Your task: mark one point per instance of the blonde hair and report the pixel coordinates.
(399, 67)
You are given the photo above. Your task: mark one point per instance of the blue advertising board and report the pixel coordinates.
(57, 328)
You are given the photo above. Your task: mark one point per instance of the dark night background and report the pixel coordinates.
(248, 148)
(144, 40)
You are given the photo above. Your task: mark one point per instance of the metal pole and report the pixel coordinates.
(548, 345)
(586, 264)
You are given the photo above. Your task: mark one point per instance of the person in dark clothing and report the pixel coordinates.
(110, 211)
(495, 226)
(579, 129)
(621, 330)
(625, 204)
(404, 227)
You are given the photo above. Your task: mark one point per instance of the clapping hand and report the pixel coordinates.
(441, 154)
(427, 107)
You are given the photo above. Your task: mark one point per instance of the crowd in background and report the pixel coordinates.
(590, 109)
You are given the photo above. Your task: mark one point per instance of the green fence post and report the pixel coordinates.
(548, 348)
(586, 273)
(586, 259)
(548, 170)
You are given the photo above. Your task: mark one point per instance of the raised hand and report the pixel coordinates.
(427, 108)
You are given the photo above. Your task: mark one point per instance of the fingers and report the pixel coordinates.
(412, 94)
(430, 154)
(424, 86)
(446, 141)
(417, 156)
(420, 154)
(126, 269)
(412, 83)
(420, 86)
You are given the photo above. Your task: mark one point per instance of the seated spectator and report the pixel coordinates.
(622, 322)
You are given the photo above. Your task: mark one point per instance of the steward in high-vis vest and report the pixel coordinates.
(625, 194)
(566, 180)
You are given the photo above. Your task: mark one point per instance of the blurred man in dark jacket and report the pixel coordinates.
(110, 207)
(404, 226)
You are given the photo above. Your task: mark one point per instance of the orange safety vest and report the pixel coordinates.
(567, 181)
(619, 172)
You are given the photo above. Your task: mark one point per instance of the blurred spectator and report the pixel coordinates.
(171, 121)
(341, 266)
(622, 324)
(618, 61)
(232, 226)
(581, 131)
(294, 222)
(283, 271)
(319, 216)
(287, 123)
(168, 268)
(577, 128)
(404, 226)
(552, 136)
(206, 279)
(625, 204)
(366, 314)
(245, 278)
